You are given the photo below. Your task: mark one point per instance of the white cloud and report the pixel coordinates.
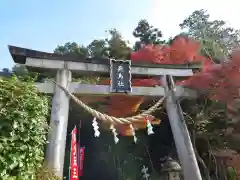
(167, 15)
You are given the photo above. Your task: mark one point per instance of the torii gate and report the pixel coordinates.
(64, 67)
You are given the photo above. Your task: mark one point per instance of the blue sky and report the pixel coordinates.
(42, 25)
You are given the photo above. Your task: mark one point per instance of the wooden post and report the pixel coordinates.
(58, 125)
(180, 133)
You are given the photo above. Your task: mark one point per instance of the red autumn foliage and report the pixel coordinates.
(180, 51)
(221, 82)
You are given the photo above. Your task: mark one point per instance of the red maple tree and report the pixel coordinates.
(219, 81)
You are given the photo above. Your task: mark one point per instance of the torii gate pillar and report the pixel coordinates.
(180, 132)
(58, 124)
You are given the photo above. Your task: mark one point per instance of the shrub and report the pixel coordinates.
(232, 173)
(23, 128)
(45, 173)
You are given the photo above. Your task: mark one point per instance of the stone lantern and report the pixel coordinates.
(171, 170)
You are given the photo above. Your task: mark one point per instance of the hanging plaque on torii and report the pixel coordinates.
(120, 76)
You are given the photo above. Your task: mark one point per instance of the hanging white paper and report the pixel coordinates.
(145, 173)
(95, 127)
(133, 133)
(114, 131)
(149, 128)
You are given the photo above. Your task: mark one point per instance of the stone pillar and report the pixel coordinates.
(58, 125)
(181, 135)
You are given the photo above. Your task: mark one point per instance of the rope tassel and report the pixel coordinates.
(149, 128)
(95, 127)
(133, 133)
(114, 131)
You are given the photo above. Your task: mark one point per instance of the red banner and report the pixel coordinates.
(74, 165)
(81, 156)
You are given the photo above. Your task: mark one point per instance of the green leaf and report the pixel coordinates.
(22, 129)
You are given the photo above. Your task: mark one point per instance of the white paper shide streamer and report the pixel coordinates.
(114, 131)
(149, 128)
(95, 127)
(144, 171)
(133, 133)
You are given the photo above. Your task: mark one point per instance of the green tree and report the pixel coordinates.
(114, 47)
(146, 34)
(216, 37)
(6, 70)
(72, 48)
(98, 48)
(117, 46)
(20, 69)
